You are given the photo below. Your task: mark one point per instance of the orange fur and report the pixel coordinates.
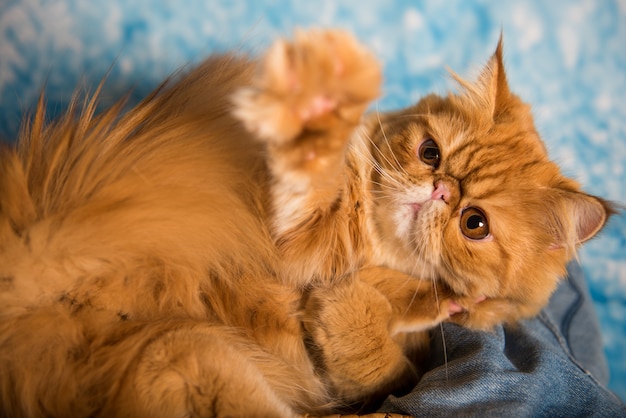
(243, 242)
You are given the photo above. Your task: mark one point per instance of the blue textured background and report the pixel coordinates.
(566, 58)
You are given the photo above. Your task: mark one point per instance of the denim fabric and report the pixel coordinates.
(550, 366)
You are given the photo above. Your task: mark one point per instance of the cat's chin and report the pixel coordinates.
(397, 250)
(409, 263)
(411, 224)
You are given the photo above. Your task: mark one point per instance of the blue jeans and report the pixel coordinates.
(549, 366)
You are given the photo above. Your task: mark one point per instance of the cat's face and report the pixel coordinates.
(464, 192)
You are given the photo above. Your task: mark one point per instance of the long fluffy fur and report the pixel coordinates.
(230, 245)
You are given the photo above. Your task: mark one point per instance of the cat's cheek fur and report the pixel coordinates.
(403, 218)
(427, 236)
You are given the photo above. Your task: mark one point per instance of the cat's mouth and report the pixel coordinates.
(407, 214)
(416, 207)
(411, 222)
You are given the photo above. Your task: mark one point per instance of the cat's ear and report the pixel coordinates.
(578, 217)
(498, 86)
(491, 90)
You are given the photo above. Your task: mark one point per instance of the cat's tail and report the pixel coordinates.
(44, 181)
(163, 184)
(17, 209)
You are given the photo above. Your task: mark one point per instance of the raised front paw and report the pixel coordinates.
(321, 79)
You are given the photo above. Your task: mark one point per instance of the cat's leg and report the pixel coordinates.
(412, 301)
(90, 364)
(362, 332)
(417, 305)
(305, 103)
(200, 370)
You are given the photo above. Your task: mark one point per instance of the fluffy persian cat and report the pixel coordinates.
(245, 242)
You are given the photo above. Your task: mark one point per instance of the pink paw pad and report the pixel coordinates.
(318, 106)
(454, 308)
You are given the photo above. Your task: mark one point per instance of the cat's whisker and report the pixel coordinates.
(415, 115)
(386, 186)
(382, 130)
(443, 336)
(375, 165)
(369, 138)
(418, 249)
(445, 351)
(446, 264)
(414, 297)
(384, 198)
(386, 176)
(443, 260)
(369, 160)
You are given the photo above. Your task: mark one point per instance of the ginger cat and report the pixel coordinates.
(245, 242)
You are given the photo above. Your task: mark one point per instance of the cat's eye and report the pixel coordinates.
(474, 223)
(428, 153)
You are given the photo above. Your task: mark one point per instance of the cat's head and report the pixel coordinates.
(464, 192)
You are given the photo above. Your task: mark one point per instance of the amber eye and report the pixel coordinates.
(474, 223)
(429, 153)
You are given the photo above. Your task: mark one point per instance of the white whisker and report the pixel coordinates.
(415, 115)
(445, 351)
(369, 138)
(419, 248)
(382, 130)
(375, 165)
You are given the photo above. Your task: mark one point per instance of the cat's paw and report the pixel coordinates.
(482, 313)
(347, 327)
(321, 79)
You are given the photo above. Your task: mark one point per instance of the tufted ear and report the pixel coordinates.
(491, 90)
(498, 85)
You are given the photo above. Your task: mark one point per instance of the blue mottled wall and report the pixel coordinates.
(567, 58)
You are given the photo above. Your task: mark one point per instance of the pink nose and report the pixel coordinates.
(441, 192)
